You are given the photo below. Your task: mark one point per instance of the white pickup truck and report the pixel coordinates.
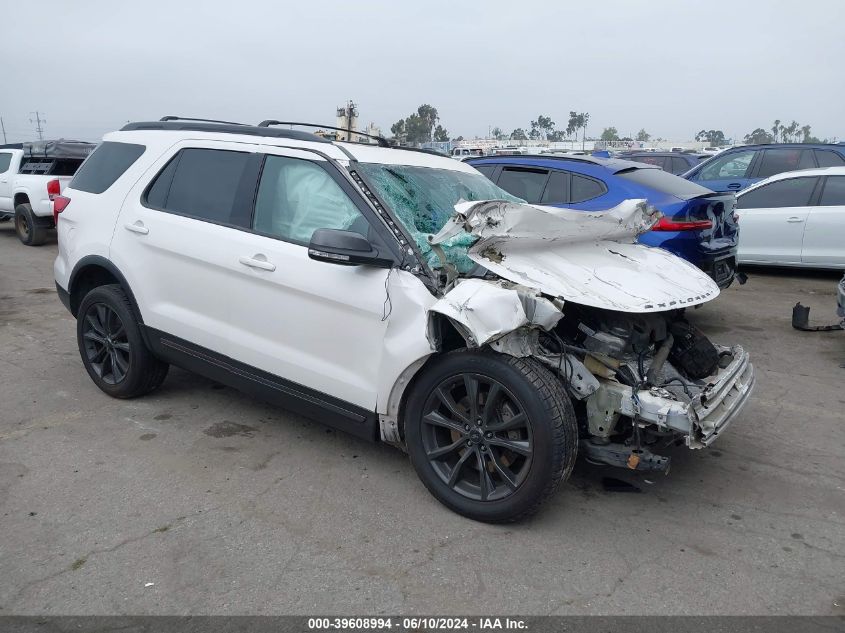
(31, 175)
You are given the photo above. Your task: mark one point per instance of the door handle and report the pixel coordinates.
(794, 220)
(734, 185)
(138, 227)
(254, 262)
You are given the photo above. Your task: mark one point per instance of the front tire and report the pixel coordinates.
(28, 228)
(491, 436)
(111, 345)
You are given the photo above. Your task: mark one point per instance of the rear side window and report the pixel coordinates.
(557, 191)
(793, 192)
(664, 182)
(204, 184)
(524, 183)
(829, 158)
(5, 160)
(108, 163)
(584, 188)
(834, 192)
(777, 161)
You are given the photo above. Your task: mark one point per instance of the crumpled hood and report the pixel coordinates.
(590, 258)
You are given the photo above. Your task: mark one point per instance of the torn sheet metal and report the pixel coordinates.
(590, 258)
(493, 219)
(486, 310)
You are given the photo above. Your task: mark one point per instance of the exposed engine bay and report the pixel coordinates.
(608, 316)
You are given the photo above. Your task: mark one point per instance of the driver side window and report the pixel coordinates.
(733, 165)
(296, 197)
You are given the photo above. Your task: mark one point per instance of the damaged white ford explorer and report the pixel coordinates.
(395, 294)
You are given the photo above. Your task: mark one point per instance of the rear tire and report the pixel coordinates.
(27, 226)
(499, 459)
(111, 345)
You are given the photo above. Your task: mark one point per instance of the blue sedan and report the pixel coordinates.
(698, 224)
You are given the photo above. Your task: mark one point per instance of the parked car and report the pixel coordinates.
(394, 294)
(738, 167)
(461, 153)
(698, 226)
(794, 219)
(674, 162)
(31, 175)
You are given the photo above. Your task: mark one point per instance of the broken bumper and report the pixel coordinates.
(700, 419)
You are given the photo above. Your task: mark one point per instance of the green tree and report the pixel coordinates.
(776, 128)
(519, 135)
(398, 130)
(556, 135)
(542, 127)
(642, 135)
(713, 137)
(418, 127)
(610, 134)
(497, 133)
(440, 134)
(758, 136)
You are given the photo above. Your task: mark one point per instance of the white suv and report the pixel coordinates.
(394, 294)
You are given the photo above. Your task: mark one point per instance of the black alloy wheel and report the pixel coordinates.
(490, 435)
(112, 347)
(477, 437)
(106, 343)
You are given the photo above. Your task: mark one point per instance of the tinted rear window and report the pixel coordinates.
(792, 192)
(828, 158)
(584, 188)
(664, 182)
(201, 183)
(525, 183)
(108, 163)
(834, 192)
(777, 161)
(5, 160)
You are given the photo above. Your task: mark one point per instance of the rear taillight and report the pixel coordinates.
(54, 188)
(59, 204)
(665, 224)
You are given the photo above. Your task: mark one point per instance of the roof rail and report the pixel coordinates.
(382, 142)
(223, 128)
(171, 117)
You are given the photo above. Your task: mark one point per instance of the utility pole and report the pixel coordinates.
(38, 121)
(4, 130)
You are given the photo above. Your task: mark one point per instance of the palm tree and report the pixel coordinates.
(791, 130)
(775, 129)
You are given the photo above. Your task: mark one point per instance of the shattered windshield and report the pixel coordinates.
(423, 199)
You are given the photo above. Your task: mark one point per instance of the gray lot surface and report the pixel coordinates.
(231, 506)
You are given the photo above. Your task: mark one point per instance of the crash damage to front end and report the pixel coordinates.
(574, 290)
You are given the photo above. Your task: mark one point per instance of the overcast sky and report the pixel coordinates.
(669, 66)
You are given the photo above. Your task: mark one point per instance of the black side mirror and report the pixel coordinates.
(346, 248)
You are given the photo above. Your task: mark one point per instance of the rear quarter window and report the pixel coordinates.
(664, 182)
(108, 163)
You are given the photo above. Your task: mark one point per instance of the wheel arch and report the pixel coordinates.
(20, 198)
(445, 337)
(93, 271)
